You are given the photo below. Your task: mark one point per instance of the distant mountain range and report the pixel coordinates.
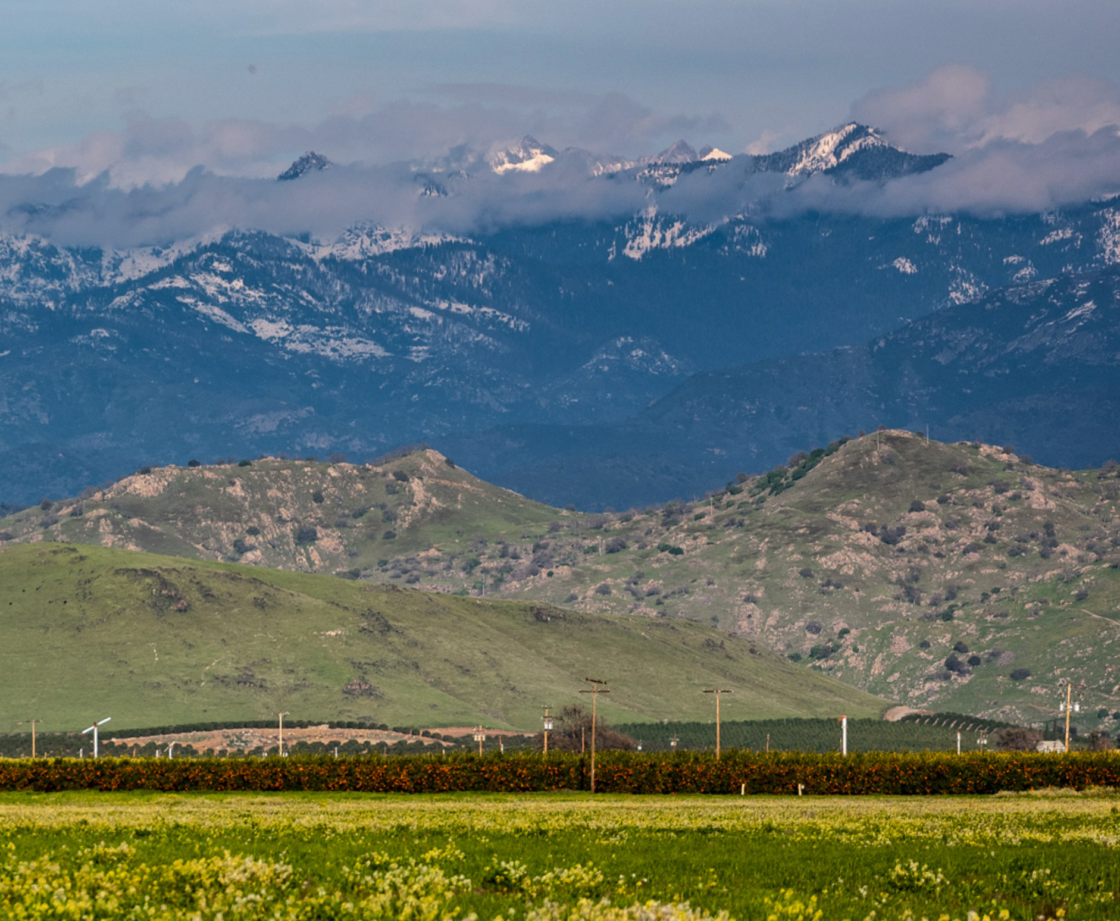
(540, 351)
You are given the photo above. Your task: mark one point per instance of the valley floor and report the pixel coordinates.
(1042, 855)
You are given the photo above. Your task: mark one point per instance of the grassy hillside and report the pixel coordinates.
(878, 561)
(92, 632)
(302, 515)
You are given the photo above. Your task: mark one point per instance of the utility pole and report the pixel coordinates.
(717, 692)
(32, 722)
(282, 715)
(597, 688)
(1070, 704)
(479, 737)
(843, 721)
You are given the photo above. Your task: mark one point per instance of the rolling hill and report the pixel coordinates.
(91, 632)
(960, 577)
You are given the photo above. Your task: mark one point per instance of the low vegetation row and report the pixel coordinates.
(616, 772)
(937, 732)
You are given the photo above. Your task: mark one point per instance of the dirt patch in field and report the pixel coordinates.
(251, 739)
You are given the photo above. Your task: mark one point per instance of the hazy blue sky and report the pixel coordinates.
(150, 88)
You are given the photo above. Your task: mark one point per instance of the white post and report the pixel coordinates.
(958, 741)
(843, 735)
(170, 751)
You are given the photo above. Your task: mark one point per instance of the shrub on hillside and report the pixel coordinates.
(1020, 674)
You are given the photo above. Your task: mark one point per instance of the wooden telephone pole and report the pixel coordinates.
(597, 688)
(32, 722)
(717, 692)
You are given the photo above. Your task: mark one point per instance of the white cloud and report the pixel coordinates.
(161, 179)
(955, 108)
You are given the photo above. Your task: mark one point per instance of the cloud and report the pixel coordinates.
(936, 113)
(955, 108)
(161, 150)
(161, 179)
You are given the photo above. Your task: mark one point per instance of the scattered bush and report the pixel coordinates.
(1020, 674)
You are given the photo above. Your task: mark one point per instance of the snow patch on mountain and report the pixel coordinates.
(829, 150)
(333, 342)
(933, 226)
(713, 154)
(965, 287)
(1108, 239)
(214, 312)
(746, 238)
(528, 156)
(362, 242)
(642, 354)
(494, 317)
(1057, 236)
(652, 231)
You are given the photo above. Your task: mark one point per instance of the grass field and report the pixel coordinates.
(559, 857)
(147, 640)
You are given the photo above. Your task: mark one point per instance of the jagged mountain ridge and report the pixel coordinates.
(1032, 365)
(309, 162)
(249, 342)
(851, 150)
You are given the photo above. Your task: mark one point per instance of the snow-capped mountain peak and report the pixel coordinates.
(529, 155)
(711, 154)
(829, 150)
(855, 150)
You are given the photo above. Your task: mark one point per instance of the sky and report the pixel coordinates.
(133, 93)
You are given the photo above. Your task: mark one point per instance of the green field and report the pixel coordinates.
(115, 856)
(90, 632)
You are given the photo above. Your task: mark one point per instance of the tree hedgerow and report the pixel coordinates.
(617, 772)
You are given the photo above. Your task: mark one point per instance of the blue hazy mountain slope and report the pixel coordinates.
(523, 351)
